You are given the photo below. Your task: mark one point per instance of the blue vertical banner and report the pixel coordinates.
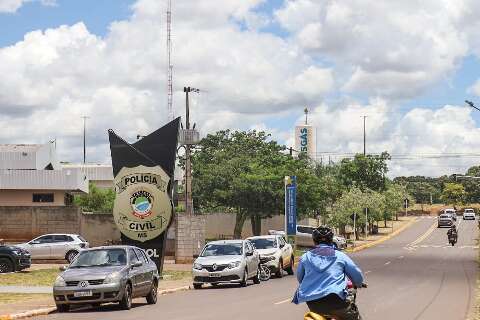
(291, 205)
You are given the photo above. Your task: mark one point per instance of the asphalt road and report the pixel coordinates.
(415, 275)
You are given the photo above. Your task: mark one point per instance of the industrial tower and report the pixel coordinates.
(171, 114)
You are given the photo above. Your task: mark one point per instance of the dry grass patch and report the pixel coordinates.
(44, 277)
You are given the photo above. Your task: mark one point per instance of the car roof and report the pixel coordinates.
(58, 234)
(226, 241)
(264, 237)
(112, 247)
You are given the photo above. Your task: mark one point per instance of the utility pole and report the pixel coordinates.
(364, 135)
(171, 113)
(84, 138)
(188, 167)
(306, 115)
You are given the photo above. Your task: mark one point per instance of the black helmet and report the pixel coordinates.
(322, 234)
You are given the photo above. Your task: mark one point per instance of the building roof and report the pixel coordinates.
(28, 157)
(43, 180)
(94, 172)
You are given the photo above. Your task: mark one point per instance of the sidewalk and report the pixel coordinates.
(383, 233)
(45, 300)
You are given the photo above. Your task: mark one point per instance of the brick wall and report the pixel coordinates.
(189, 237)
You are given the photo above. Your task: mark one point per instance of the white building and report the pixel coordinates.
(30, 175)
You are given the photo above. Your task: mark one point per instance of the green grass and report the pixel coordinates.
(44, 277)
(19, 297)
(176, 275)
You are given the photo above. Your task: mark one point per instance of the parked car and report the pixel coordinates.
(275, 246)
(13, 259)
(451, 212)
(304, 238)
(468, 214)
(107, 274)
(445, 220)
(55, 246)
(226, 261)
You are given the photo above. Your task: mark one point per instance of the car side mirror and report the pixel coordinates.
(137, 264)
(195, 256)
(63, 268)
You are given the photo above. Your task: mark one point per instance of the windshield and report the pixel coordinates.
(444, 216)
(269, 243)
(96, 258)
(468, 210)
(230, 249)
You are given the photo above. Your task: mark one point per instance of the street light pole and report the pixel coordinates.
(364, 135)
(188, 166)
(84, 138)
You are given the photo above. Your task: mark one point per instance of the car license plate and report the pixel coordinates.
(82, 294)
(215, 275)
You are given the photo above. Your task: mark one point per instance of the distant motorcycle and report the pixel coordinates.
(452, 240)
(265, 272)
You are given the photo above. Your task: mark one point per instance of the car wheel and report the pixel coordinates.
(63, 308)
(291, 266)
(70, 256)
(152, 295)
(245, 278)
(197, 286)
(279, 273)
(256, 279)
(126, 302)
(6, 265)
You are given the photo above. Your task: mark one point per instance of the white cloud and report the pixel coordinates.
(422, 141)
(11, 6)
(395, 49)
(53, 77)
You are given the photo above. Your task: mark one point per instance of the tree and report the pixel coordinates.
(365, 172)
(472, 186)
(97, 200)
(243, 172)
(422, 192)
(395, 196)
(453, 193)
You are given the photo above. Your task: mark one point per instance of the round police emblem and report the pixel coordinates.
(142, 209)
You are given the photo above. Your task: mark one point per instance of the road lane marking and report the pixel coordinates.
(401, 257)
(282, 302)
(368, 272)
(424, 236)
(388, 262)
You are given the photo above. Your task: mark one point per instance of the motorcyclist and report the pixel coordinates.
(322, 278)
(452, 233)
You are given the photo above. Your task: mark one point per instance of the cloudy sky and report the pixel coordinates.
(407, 65)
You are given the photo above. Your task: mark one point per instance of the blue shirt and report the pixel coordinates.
(323, 271)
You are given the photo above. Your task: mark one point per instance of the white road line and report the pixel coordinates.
(387, 263)
(366, 272)
(401, 257)
(282, 302)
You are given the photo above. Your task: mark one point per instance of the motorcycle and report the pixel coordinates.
(265, 272)
(351, 298)
(452, 240)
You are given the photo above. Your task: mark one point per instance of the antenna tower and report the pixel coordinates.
(169, 62)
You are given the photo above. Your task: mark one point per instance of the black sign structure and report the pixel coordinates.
(156, 149)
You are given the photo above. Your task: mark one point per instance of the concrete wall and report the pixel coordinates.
(25, 223)
(98, 228)
(25, 198)
(189, 237)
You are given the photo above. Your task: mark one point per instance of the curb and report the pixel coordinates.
(47, 311)
(387, 237)
(28, 314)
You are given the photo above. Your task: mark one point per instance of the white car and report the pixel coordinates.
(468, 214)
(451, 212)
(304, 238)
(55, 246)
(276, 246)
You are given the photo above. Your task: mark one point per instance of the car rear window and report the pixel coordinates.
(469, 211)
(81, 238)
(444, 216)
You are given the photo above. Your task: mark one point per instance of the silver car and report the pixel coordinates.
(227, 261)
(107, 274)
(55, 246)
